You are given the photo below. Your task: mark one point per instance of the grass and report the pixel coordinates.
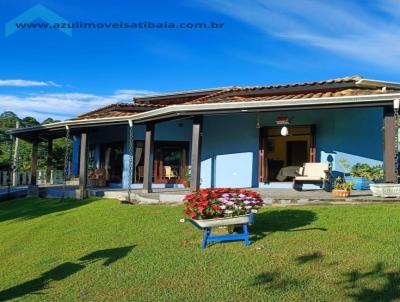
(101, 250)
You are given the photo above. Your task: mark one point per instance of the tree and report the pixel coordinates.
(29, 122)
(49, 120)
(8, 121)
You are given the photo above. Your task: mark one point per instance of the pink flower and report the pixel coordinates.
(182, 220)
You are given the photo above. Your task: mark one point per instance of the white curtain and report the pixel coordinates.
(107, 162)
(138, 156)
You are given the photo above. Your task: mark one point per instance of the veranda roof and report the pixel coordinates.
(337, 93)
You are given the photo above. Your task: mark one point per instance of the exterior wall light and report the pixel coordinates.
(396, 104)
(258, 124)
(283, 120)
(284, 131)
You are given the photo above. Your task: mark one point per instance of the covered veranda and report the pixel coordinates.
(196, 113)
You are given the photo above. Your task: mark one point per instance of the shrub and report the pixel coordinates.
(372, 173)
(223, 202)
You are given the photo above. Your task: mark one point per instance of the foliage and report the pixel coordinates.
(187, 174)
(341, 184)
(9, 120)
(222, 202)
(372, 173)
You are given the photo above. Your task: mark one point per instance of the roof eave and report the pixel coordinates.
(376, 83)
(182, 110)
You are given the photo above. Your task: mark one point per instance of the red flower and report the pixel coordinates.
(189, 197)
(204, 203)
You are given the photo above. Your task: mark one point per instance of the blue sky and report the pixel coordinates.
(48, 73)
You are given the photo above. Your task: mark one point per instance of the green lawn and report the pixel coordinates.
(102, 250)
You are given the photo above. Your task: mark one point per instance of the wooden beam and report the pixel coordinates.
(83, 166)
(148, 158)
(389, 153)
(34, 162)
(197, 133)
(49, 167)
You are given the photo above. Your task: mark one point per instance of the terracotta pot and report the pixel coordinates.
(186, 183)
(341, 193)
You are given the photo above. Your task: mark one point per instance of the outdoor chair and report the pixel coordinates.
(169, 173)
(313, 173)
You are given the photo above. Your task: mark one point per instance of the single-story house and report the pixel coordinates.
(230, 136)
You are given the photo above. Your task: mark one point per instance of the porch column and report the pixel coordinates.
(76, 141)
(197, 129)
(49, 167)
(148, 158)
(389, 148)
(33, 188)
(83, 166)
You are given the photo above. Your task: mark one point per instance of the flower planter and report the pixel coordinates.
(360, 183)
(210, 208)
(341, 193)
(207, 224)
(216, 222)
(385, 190)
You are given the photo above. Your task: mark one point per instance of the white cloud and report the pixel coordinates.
(370, 33)
(27, 83)
(62, 105)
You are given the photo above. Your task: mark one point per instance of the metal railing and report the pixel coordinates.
(24, 178)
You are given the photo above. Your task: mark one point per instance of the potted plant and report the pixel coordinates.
(186, 179)
(221, 207)
(341, 188)
(362, 175)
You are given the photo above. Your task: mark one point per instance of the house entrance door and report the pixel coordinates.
(280, 156)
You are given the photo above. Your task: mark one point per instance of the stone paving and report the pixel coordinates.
(271, 197)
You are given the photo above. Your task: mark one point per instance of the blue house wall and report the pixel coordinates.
(230, 142)
(230, 151)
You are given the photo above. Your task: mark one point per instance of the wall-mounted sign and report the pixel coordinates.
(282, 120)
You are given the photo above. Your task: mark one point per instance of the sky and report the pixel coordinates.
(48, 73)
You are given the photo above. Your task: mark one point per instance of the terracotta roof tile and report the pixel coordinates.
(340, 87)
(346, 86)
(118, 109)
(345, 92)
